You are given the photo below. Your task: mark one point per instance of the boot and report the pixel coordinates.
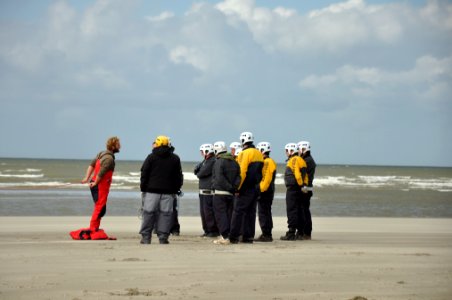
(290, 236)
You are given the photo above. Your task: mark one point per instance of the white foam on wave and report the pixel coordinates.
(190, 176)
(125, 178)
(34, 184)
(404, 182)
(21, 175)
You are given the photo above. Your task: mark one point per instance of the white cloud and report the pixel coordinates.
(161, 17)
(190, 56)
(236, 56)
(338, 8)
(429, 76)
(439, 13)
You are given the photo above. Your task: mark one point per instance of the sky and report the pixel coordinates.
(365, 81)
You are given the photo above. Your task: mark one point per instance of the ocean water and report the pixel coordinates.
(39, 187)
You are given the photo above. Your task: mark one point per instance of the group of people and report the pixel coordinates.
(234, 188)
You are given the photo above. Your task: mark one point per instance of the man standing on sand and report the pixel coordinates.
(160, 181)
(102, 168)
(295, 179)
(204, 173)
(304, 148)
(225, 182)
(267, 188)
(244, 213)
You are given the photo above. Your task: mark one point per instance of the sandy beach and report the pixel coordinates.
(348, 258)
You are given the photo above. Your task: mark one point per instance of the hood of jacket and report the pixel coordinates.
(226, 155)
(162, 151)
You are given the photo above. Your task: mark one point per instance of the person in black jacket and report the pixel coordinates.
(161, 179)
(225, 183)
(204, 173)
(304, 148)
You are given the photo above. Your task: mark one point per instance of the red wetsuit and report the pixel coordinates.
(100, 192)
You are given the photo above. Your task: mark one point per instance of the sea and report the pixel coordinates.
(51, 187)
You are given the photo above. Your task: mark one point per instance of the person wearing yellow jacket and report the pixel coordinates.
(295, 179)
(267, 189)
(251, 162)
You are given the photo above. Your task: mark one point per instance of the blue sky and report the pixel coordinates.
(366, 82)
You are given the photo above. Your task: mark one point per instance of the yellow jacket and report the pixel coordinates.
(251, 163)
(296, 172)
(268, 175)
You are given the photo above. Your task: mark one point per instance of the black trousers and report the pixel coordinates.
(176, 226)
(294, 208)
(201, 213)
(222, 206)
(208, 213)
(264, 208)
(306, 203)
(244, 213)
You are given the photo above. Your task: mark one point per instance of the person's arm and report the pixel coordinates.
(296, 163)
(89, 171)
(243, 162)
(267, 173)
(144, 177)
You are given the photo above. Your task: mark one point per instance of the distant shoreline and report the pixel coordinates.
(118, 159)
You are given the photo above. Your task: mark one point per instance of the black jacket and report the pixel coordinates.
(161, 172)
(204, 172)
(226, 173)
(310, 163)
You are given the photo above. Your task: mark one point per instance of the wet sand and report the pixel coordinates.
(373, 258)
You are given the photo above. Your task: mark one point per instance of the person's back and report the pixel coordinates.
(204, 173)
(161, 172)
(226, 174)
(251, 163)
(161, 179)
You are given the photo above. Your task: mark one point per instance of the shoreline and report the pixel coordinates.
(374, 258)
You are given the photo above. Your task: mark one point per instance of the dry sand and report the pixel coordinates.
(374, 258)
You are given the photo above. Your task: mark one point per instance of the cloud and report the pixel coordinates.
(161, 17)
(231, 65)
(429, 78)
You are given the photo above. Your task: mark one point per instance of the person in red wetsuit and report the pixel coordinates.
(101, 169)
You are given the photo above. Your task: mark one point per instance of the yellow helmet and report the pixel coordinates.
(161, 140)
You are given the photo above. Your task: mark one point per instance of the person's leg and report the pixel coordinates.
(100, 195)
(249, 229)
(209, 214)
(220, 206)
(241, 206)
(165, 217)
(150, 215)
(175, 228)
(292, 214)
(307, 230)
(201, 212)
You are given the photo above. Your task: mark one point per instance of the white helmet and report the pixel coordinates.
(264, 147)
(304, 146)
(206, 149)
(291, 148)
(219, 147)
(246, 137)
(235, 145)
(238, 150)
